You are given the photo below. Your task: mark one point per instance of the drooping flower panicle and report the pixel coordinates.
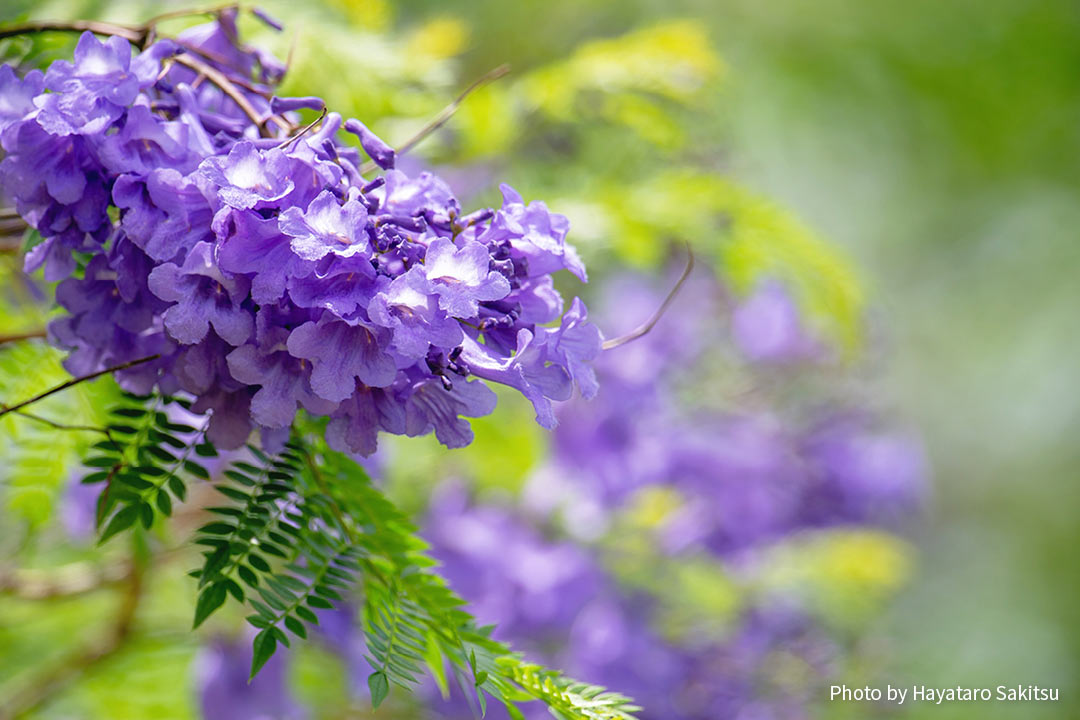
(268, 274)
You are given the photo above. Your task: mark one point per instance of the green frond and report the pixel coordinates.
(142, 460)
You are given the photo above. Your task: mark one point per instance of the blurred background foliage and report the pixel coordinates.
(934, 144)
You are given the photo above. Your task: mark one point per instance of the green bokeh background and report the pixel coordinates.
(937, 143)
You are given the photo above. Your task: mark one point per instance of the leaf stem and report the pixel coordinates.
(61, 426)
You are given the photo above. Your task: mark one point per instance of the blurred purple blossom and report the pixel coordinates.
(221, 678)
(767, 328)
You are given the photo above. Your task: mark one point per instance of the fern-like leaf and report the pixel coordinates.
(143, 462)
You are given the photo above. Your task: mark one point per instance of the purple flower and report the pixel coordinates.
(431, 406)
(58, 163)
(147, 142)
(327, 227)
(201, 367)
(248, 176)
(286, 104)
(410, 309)
(575, 345)
(17, 96)
(526, 371)
(231, 249)
(204, 296)
(536, 233)
(355, 425)
(78, 511)
(377, 150)
(251, 245)
(512, 577)
(230, 416)
(410, 196)
(460, 276)
(340, 285)
(96, 302)
(91, 93)
(267, 18)
(864, 473)
(341, 352)
(284, 383)
(165, 213)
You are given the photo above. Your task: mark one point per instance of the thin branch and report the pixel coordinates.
(137, 35)
(131, 34)
(174, 14)
(214, 57)
(12, 226)
(33, 335)
(222, 81)
(444, 116)
(303, 131)
(651, 323)
(75, 381)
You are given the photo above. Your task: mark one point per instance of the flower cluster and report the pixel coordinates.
(259, 268)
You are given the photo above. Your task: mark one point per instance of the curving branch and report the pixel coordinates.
(138, 35)
(651, 322)
(156, 20)
(222, 81)
(127, 32)
(444, 115)
(304, 130)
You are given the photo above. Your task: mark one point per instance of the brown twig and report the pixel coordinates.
(444, 116)
(303, 131)
(216, 58)
(174, 14)
(10, 245)
(222, 81)
(19, 337)
(137, 35)
(75, 381)
(651, 322)
(12, 226)
(127, 32)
